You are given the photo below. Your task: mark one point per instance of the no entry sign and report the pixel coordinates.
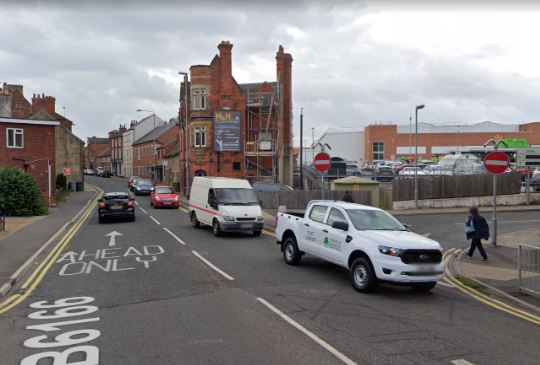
(322, 162)
(496, 162)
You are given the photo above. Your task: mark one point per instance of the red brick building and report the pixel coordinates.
(116, 146)
(145, 162)
(95, 146)
(253, 122)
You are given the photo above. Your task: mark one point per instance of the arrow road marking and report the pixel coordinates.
(112, 240)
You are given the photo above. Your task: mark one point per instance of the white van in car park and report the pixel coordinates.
(227, 205)
(368, 241)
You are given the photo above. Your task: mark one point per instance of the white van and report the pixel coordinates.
(226, 205)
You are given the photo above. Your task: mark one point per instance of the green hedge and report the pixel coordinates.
(19, 194)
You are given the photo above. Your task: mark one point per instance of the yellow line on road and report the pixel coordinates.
(183, 209)
(490, 301)
(38, 274)
(268, 233)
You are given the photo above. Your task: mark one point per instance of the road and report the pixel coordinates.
(166, 293)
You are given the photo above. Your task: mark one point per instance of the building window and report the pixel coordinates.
(200, 136)
(236, 166)
(199, 99)
(378, 151)
(14, 137)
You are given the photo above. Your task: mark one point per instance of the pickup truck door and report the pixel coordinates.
(313, 225)
(334, 245)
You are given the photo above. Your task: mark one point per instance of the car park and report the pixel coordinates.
(163, 196)
(116, 205)
(367, 241)
(227, 205)
(142, 187)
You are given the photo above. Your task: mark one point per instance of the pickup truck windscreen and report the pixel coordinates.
(377, 220)
(228, 196)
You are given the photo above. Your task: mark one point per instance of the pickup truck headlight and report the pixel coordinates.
(260, 218)
(228, 218)
(390, 251)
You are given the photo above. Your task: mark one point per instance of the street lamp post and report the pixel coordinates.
(185, 127)
(301, 148)
(416, 154)
(153, 143)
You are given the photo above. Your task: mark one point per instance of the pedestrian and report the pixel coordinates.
(348, 197)
(477, 229)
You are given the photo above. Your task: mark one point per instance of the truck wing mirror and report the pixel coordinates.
(344, 226)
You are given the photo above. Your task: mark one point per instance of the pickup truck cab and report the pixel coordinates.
(368, 241)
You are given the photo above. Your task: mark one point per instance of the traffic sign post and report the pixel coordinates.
(495, 163)
(321, 162)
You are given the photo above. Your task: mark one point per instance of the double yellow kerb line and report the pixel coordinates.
(492, 302)
(37, 275)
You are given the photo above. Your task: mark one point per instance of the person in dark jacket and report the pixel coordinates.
(477, 229)
(348, 197)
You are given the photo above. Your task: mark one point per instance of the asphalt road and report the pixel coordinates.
(153, 300)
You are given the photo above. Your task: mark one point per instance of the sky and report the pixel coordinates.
(355, 62)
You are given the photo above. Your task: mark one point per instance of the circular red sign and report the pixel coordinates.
(496, 162)
(321, 162)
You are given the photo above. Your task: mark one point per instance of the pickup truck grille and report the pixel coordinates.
(245, 219)
(421, 256)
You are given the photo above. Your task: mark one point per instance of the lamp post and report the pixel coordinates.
(301, 148)
(416, 154)
(185, 127)
(153, 143)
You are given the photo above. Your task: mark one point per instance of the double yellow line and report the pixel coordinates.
(494, 303)
(37, 275)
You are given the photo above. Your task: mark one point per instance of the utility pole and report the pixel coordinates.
(301, 148)
(416, 155)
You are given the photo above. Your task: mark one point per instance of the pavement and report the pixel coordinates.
(17, 248)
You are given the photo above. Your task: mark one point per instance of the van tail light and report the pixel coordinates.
(130, 204)
(101, 205)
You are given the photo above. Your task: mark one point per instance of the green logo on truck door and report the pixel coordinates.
(325, 243)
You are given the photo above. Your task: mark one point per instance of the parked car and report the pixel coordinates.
(368, 241)
(99, 171)
(384, 173)
(263, 186)
(131, 181)
(163, 196)
(142, 187)
(106, 173)
(409, 171)
(89, 172)
(352, 169)
(534, 182)
(226, 205)
(116, 205)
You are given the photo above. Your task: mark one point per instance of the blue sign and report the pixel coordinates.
(227, 131)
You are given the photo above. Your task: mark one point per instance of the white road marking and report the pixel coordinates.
(136, 202)
(174, 236)
(308, 333)
(426, 234)
(112, 240)
(212, 266)
(155, 220)
(144, 211)
(461, 362)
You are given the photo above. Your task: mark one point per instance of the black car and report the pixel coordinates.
(116, 205)
(384, 173)
(142, 187)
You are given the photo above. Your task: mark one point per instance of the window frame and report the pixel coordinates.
(199, 98)
(330, 214)
(15, 132)
(199, 136)
(323, 217)
(377, 150)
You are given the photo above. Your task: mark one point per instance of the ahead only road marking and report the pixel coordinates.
(213, 267)
(308, 333)
(174, 236)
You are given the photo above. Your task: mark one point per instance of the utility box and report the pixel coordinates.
(355, 183)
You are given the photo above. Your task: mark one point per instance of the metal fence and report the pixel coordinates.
(529, 269)
(443, 187)
(299, 199)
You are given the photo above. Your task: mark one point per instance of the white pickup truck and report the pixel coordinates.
(368, 241)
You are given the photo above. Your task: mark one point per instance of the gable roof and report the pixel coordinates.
(148, 137)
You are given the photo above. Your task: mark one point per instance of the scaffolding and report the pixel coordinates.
(261, 145)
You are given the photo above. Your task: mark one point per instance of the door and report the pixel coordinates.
(312, 234)
(334, 239)
(211, 207)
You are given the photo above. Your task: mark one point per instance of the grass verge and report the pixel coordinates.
(473, 285)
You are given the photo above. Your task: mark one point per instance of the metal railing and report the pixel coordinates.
(529, 269)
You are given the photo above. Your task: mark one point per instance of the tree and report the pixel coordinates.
(19, 193)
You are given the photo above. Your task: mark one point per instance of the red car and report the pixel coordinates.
(164, 196)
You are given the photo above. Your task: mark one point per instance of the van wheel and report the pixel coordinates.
(363, 276)
(291, 253)
(194, 221)
(216, 229)
(424, 287)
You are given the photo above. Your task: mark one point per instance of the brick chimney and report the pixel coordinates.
(225, 55)
(43, 102)
(284, 80)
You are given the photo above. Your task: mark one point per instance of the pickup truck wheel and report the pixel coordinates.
(363, 276)
(424, 287)
(216, 229)
(291, 253)
(194, 221)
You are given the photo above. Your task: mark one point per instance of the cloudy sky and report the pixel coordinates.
(354, 62)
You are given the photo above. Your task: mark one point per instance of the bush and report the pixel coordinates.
(19, 193)
(61, 181)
